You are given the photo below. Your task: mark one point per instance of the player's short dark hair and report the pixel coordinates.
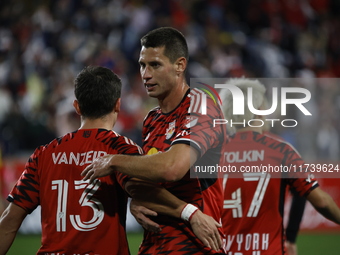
(173, 40)
(97, 90)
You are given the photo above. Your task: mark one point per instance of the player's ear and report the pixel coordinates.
(181, 65)
(262, 107)
(117, 106)
(76, 106)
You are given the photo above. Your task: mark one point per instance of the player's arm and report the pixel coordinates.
(10, 222)
(293, 226)
(171, 165)
(156, 198)
(142, 216)
(320, 199)
(2, 207)
(324, 204)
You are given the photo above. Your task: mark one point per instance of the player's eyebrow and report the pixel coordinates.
(154, 62)
(151, 63)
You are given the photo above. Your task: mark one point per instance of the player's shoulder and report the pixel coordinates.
(197, 99)
(55, 142)
(275, 138)
(275, 141)
(202, 101)
(61, 140)
(45, 149)
(126, 140)
(126, 143)
(154, 111)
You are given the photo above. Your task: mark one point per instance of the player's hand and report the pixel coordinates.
(140, 213)
(291, 248)
(206, 229)
(98, 168)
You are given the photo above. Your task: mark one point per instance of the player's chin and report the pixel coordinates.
(152, 93)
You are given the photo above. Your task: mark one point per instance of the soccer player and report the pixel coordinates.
(175, 136)
(77, 217)
(253, 203)
(297, 205)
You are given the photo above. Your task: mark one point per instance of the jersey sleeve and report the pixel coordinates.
(198, 127)
(300, 180)
(25, 193)
(295, 216)
(128, 147)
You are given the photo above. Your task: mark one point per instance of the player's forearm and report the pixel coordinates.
(155, 198)
(8, 229)
(325, 205)
(156, 167)
(6, 240)
(331, 211)
(171, 165)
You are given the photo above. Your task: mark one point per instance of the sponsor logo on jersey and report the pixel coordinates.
(170, 130)
(152, 151)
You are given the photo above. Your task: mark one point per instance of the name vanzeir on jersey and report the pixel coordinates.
(250, 242)
(78, 159)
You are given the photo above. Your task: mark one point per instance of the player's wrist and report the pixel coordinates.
(188, 211)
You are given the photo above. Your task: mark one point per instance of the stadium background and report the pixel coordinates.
(44, 44)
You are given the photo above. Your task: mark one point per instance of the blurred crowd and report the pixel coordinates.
(44, 44)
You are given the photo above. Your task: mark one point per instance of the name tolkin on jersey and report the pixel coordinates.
(243, 156)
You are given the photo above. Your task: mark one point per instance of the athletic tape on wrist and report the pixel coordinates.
(188, 211)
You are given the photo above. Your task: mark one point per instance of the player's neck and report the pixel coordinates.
(106, 122)
(173, 99)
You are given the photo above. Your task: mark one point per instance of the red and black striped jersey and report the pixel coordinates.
(253, 202)
(186, 124)
(77, 217)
